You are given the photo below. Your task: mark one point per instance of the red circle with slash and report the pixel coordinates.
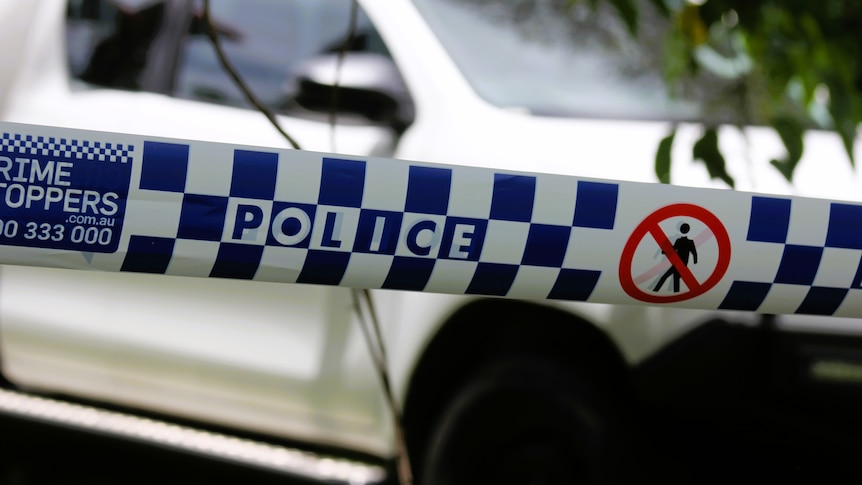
(650, 226)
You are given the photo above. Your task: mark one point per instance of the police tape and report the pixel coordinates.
(114, 202)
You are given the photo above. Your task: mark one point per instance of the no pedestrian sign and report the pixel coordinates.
(677, 253)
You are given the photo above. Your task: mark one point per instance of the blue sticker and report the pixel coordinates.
(843, 230)
(202, 217)
(492, 279)
(407, 273)
(238, 261)
(512, 197)
(546, 245)
(574, 284)
(342, 182)
(164, 166)
(596, 205)
(799, 265)
(769, 220)
(745, 295)
(428, 190)
(254, 174)
(59, 193)
(148, 254)
(822, 300)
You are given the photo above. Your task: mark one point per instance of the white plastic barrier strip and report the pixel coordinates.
(113, 202)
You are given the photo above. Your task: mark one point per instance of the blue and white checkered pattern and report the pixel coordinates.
(312, 218)
(816, 268)
(66, 148)
(215, 210)
(377, 225)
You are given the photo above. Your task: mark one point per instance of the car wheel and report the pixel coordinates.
(525, 421)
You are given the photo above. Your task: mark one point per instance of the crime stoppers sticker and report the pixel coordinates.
(62, 193)
(677, 253)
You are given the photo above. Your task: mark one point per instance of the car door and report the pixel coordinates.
(273, 358)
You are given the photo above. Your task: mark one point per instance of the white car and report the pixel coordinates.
(534, 388)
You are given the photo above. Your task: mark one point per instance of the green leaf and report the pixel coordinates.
(841, 108)
(706, 150)
(847, 130)
(791, 132)
(662, 158)
(629, 13)
(661, 7)
(675, 59)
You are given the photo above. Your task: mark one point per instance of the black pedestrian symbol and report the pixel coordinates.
(683, 248)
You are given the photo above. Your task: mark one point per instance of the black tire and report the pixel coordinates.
(526, 421)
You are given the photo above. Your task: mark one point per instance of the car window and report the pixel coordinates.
(161, 45)
(265, 39)
(553, 58)
(108, 46)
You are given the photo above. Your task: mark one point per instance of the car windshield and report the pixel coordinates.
(548, 59)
